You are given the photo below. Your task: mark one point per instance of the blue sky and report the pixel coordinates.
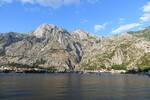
(100, 17)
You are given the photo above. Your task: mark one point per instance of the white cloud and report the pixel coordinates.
(145, 17)
(92, 1)
(29, 1)
(100, 27)
(67, 2)
(146, 8)
(51, 3)
(125, 27)
(5, 1)
(121, 19)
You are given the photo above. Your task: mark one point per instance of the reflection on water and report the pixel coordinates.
(73, 86)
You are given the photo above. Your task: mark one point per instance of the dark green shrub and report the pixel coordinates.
(19, 65)
(52, 69)
(103, 67)
(145, 69)
(2, 53)
(118, 67)
(41, 62)
(97, 41)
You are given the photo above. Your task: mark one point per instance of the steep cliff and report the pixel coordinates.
(52, 46)
(126, 51)
(47, 46)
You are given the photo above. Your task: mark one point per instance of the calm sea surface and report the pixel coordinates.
(74, 87)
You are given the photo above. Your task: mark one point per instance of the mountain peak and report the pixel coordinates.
(81, 34)
(47, 26)
(77, 49)
(45, 30)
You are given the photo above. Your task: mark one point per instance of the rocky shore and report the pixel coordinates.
(8, 69)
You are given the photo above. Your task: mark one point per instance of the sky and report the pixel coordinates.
(99, 17)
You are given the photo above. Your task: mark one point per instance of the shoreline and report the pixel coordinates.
(46, 71)
(75, 72)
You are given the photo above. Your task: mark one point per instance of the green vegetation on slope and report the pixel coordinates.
(143, 33)
(52, 69)
(144, 64)
(88, 67)
(109, 55)
(2, 53)
(20, 65)
(98, 41)
(118, 67)
(41, 62)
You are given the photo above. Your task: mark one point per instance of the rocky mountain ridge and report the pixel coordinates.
(55, 47)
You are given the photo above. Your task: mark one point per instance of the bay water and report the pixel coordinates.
(74, 87)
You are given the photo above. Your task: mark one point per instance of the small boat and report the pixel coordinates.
(85, 73)
(80, 72)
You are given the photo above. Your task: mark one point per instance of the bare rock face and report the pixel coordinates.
(129, 50)
(81, 34)
(50, 43)
(52, 46)
(46, 30)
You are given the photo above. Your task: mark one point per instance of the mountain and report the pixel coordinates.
(125, 51)
(47, 46)
(55, 47)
